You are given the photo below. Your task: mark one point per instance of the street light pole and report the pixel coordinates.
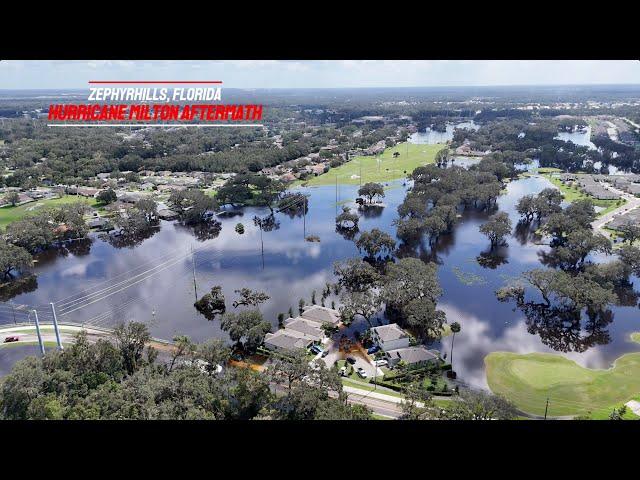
(35, 315)
(55, 326)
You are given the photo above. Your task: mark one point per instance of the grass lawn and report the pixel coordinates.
(21, 343)
(390, 168)
(368, 387)
(571, 194)
(10, 214)
(548, 170)
(528, 379)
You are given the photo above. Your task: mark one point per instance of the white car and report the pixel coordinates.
(361, 372)
(381, 363)
(343, 371)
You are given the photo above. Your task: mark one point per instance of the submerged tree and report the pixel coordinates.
(249, 298)
(497, 228)
(347, 219)
(371, 190)
(375, 243)
(212, 304)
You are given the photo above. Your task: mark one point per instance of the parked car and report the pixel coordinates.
(373, 349)
(351, 360)
(12, 338)
(381, 363)
(316, 349)
(325, 353)
(343, 371)
(361, 372)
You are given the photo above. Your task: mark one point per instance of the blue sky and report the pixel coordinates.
(16, 74)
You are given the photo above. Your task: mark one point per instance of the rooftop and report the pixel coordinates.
(287, 339)
(304, 326)
(390, 332)
(321, 315)
(412, 354)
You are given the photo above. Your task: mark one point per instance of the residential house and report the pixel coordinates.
(83, 191)
(413, 356)
(309, 328)
(303, 331)
(321, 315)
(287, 341)
(390, 337)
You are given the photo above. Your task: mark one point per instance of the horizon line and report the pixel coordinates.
(368, 87)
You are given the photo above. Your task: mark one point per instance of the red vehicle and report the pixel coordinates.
(12, 338)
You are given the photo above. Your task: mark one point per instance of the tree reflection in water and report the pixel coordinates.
(79, 248)
(493, 258)
(560, 327)
(347, 233)
(25, 284)
(371, 211)
(130, 240)
(207, 230)
(525, 232)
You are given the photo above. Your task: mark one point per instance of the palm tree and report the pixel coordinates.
(455, 328)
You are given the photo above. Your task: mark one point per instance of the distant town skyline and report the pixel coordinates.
(51, 74)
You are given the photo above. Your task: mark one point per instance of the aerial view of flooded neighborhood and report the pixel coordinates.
(421, 253)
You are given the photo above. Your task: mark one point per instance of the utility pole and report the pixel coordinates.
(261, 244)
(336, 194)
(55, 326)
(375, 375)
(193, 264)
(546, 409)
(35, 315)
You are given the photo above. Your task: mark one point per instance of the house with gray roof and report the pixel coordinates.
(413, 356)
(390, 337)
(306, 327)
(303, 331)
(287, 341)
(321, 315)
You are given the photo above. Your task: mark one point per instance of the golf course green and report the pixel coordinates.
(381, 168)
(529, 379)
(10, 214)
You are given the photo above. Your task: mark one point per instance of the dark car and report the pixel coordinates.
(324, 353)
(373, 349)
(12, 338)
(351, 360)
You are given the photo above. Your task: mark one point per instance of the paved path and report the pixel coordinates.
(633, 202)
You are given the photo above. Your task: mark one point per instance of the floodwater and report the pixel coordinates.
(431, 136)
(582, 138)
(153, 282)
